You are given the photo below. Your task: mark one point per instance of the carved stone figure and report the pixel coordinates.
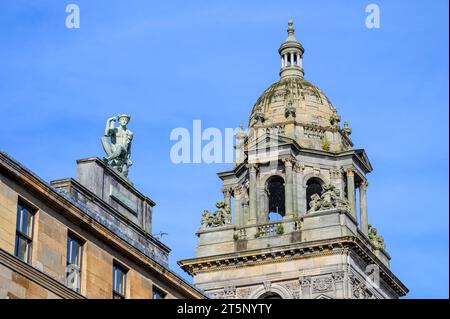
(205, 218)
(342, 202)
(290, 109)
(377, 240)
(220, 217)
(117, 144)
(330, 198)
(315, 203)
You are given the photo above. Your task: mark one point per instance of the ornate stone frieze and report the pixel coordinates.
(229, 292)
(322, 284)
(336, 173)
(338, 276)
(293, 287)
(244, 293)
(305, 281)
(313, 132)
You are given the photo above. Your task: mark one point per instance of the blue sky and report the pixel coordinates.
(168, 63)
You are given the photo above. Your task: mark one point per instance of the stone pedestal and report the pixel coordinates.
(109, 186)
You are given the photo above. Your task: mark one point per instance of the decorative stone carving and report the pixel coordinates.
(229, 292)
(377, 240)
(338, 276)
(290, 110)
(243, 293)
(335, 119)
(294, 288)
(346, 130)
(116, 142)
(267, 285)
(335, 174)
(305, 281)
(298, 167)
(322, 284)
(217, 294)
(330, 198)
(259, 115)
(220, 217)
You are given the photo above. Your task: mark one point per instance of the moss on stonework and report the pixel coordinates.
(280, 230)
(325, 143)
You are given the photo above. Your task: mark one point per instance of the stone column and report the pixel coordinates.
(285, 59)
(252, 193)
(288, 194)
(351, 192)
(282, 61)
(238, 213)
(227, 197)
(294, 190)
(363, 207)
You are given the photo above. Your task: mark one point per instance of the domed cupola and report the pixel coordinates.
(291, 52)
(296, 108)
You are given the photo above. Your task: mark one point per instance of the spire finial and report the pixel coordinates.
(290, 29)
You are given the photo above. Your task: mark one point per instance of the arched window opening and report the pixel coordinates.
(313, 186)
(270, 295)
(275, 192)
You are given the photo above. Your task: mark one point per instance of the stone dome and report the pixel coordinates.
(307, 101)
(296, 108)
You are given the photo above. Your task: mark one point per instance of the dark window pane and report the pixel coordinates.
(158, 294)
(73, 264)
(275, 191)
(22, 248)
(118, 281)
(24, 231)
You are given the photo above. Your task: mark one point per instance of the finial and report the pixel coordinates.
(290, 29)
(346, 129)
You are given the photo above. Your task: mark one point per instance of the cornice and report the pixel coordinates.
(341, 245)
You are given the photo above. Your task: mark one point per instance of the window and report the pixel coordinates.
(24, 231)
(73, 262)
(119, 280)
(158, 293)
(275, 191)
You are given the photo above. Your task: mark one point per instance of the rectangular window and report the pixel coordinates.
(119, 280)
(24, 231)
(158, 293)
(73, 263)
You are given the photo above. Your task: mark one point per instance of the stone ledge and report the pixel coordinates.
(290, 252)
(37, 276)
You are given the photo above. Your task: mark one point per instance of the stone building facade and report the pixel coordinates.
(289, 225)
(88, 237)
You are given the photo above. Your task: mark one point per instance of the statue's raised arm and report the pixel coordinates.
(117, 144)
(110, 125)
